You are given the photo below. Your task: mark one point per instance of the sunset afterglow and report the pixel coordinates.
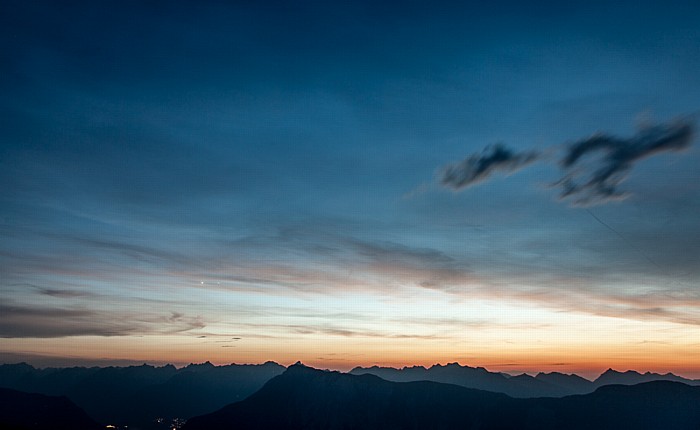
(508, 186)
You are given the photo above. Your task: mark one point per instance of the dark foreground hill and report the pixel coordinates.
(24, 411)
(136, 395)
(305, 398)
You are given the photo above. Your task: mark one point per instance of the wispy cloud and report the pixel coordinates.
(363, 265)
(26, 321)
(389, 251)
(660, 305)
(324, 329)
(63, 293)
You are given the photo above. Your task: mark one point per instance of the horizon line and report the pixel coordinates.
(158, 364)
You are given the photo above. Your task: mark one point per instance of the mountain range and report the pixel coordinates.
(137, 395)
(306, 398)
(522, 386)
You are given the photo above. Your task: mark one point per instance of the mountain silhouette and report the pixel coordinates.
(481, 379)
(522, 386)
(306, 398)
(631, 377)
(136, 395)
(569, 384)
(28, 411)
(649, 405)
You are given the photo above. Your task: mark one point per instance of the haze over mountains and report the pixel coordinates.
(136, 395)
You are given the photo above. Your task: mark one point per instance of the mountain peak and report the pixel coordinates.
(613, 372)
(206, 365)
(416, 367)
(299, 366)
(22, 365)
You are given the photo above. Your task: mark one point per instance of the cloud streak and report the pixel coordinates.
(24, 321)
(27, 322)
(479, 167)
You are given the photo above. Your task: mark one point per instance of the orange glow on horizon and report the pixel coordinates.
(589, 363)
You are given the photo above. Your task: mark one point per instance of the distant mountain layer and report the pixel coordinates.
(136, 395)
(24, 411)
(522, 386)
(305, 398)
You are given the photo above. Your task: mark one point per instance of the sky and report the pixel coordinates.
(509, 185)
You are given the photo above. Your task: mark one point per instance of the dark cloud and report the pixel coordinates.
(587, 180)
(597, 181)
(177, 322)
(65, 293)
(478, 167)
(24, 321)
(60, 293)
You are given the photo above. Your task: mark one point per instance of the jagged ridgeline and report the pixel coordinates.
(552, 384)
(305, 398)
(268, 395)
(136, 395)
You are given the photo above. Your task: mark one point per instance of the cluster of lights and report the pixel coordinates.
(176, 424)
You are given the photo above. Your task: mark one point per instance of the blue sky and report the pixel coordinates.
(272, 172)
